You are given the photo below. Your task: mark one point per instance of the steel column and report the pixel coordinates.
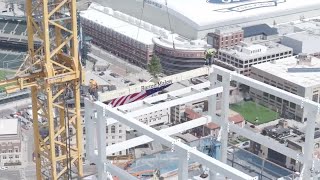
(225, 117)
(101, 141)
(90, 129)
(183, 167)
(309, 142)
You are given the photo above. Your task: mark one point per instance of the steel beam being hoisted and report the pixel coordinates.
(53, 72)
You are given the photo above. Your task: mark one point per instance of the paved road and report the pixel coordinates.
(10, 175)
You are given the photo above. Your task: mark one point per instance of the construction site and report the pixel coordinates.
(70, 114)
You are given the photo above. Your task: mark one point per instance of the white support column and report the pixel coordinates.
(308, 148)
(183, 167)
(212, 110)
(225, 116)
(90, 134)
(101, 133)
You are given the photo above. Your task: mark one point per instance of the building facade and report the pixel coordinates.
(296, 74)
(178, 54)
(302, 42)
(260, 32)
(225, 37)
(10, 143)
(120, 34)
(244, 55)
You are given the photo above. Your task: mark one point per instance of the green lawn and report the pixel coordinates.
(3, 75)
(251, 110)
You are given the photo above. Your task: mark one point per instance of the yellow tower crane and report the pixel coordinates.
(53, 72)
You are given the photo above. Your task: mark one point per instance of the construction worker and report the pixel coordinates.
(93, 89)
(208, 54)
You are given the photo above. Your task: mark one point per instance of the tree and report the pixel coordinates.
(154, 67)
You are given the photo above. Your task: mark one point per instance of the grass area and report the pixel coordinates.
(3, 74)
(252, 111)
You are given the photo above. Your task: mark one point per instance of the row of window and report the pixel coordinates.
(231, 37)
(228, 56)
(10, 156)
(9, 150)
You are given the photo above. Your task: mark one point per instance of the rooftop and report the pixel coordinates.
(198, 12)
(244, 51)
(280, 67)
(6, 11)
(122, 23)
(259, 29)
(305, 35)
(177, 42)
(8, 127)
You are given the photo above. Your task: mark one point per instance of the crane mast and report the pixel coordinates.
(53, 72)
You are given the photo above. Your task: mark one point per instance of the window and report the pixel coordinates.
(70, 130)
(107, 129)
(315, 97)
(17, 156)
(120, 137)
(10, 150)
(84, 130)
(113, 129)
(4, 157)
(16, 150)
(112, 137)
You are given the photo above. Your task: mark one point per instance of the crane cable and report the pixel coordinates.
(67, 129)
(170, 26)
(173, 45)
(142, 10)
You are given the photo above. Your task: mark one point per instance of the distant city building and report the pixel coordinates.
(290, 134)
(10, 142)
(260, 32)
(212, 129)
(115, 133)
(299, 75)
(225, 37)
(303, 42)
(123, 35)
(194, 19)
(178, 54)
(155, 118)
(244, 55)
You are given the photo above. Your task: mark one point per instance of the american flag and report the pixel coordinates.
(136, 96)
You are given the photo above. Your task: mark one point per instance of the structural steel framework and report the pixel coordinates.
(98, 115)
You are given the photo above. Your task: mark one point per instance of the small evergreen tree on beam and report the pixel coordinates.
(154, 67)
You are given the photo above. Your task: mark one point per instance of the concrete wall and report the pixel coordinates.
(293, 43)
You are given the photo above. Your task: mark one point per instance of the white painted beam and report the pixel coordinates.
(178, 146)
(138, 88)
(175, 102)
(145, 139)
(114, 170)
(164, 96)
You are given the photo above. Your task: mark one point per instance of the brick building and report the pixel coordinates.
(225, 37)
